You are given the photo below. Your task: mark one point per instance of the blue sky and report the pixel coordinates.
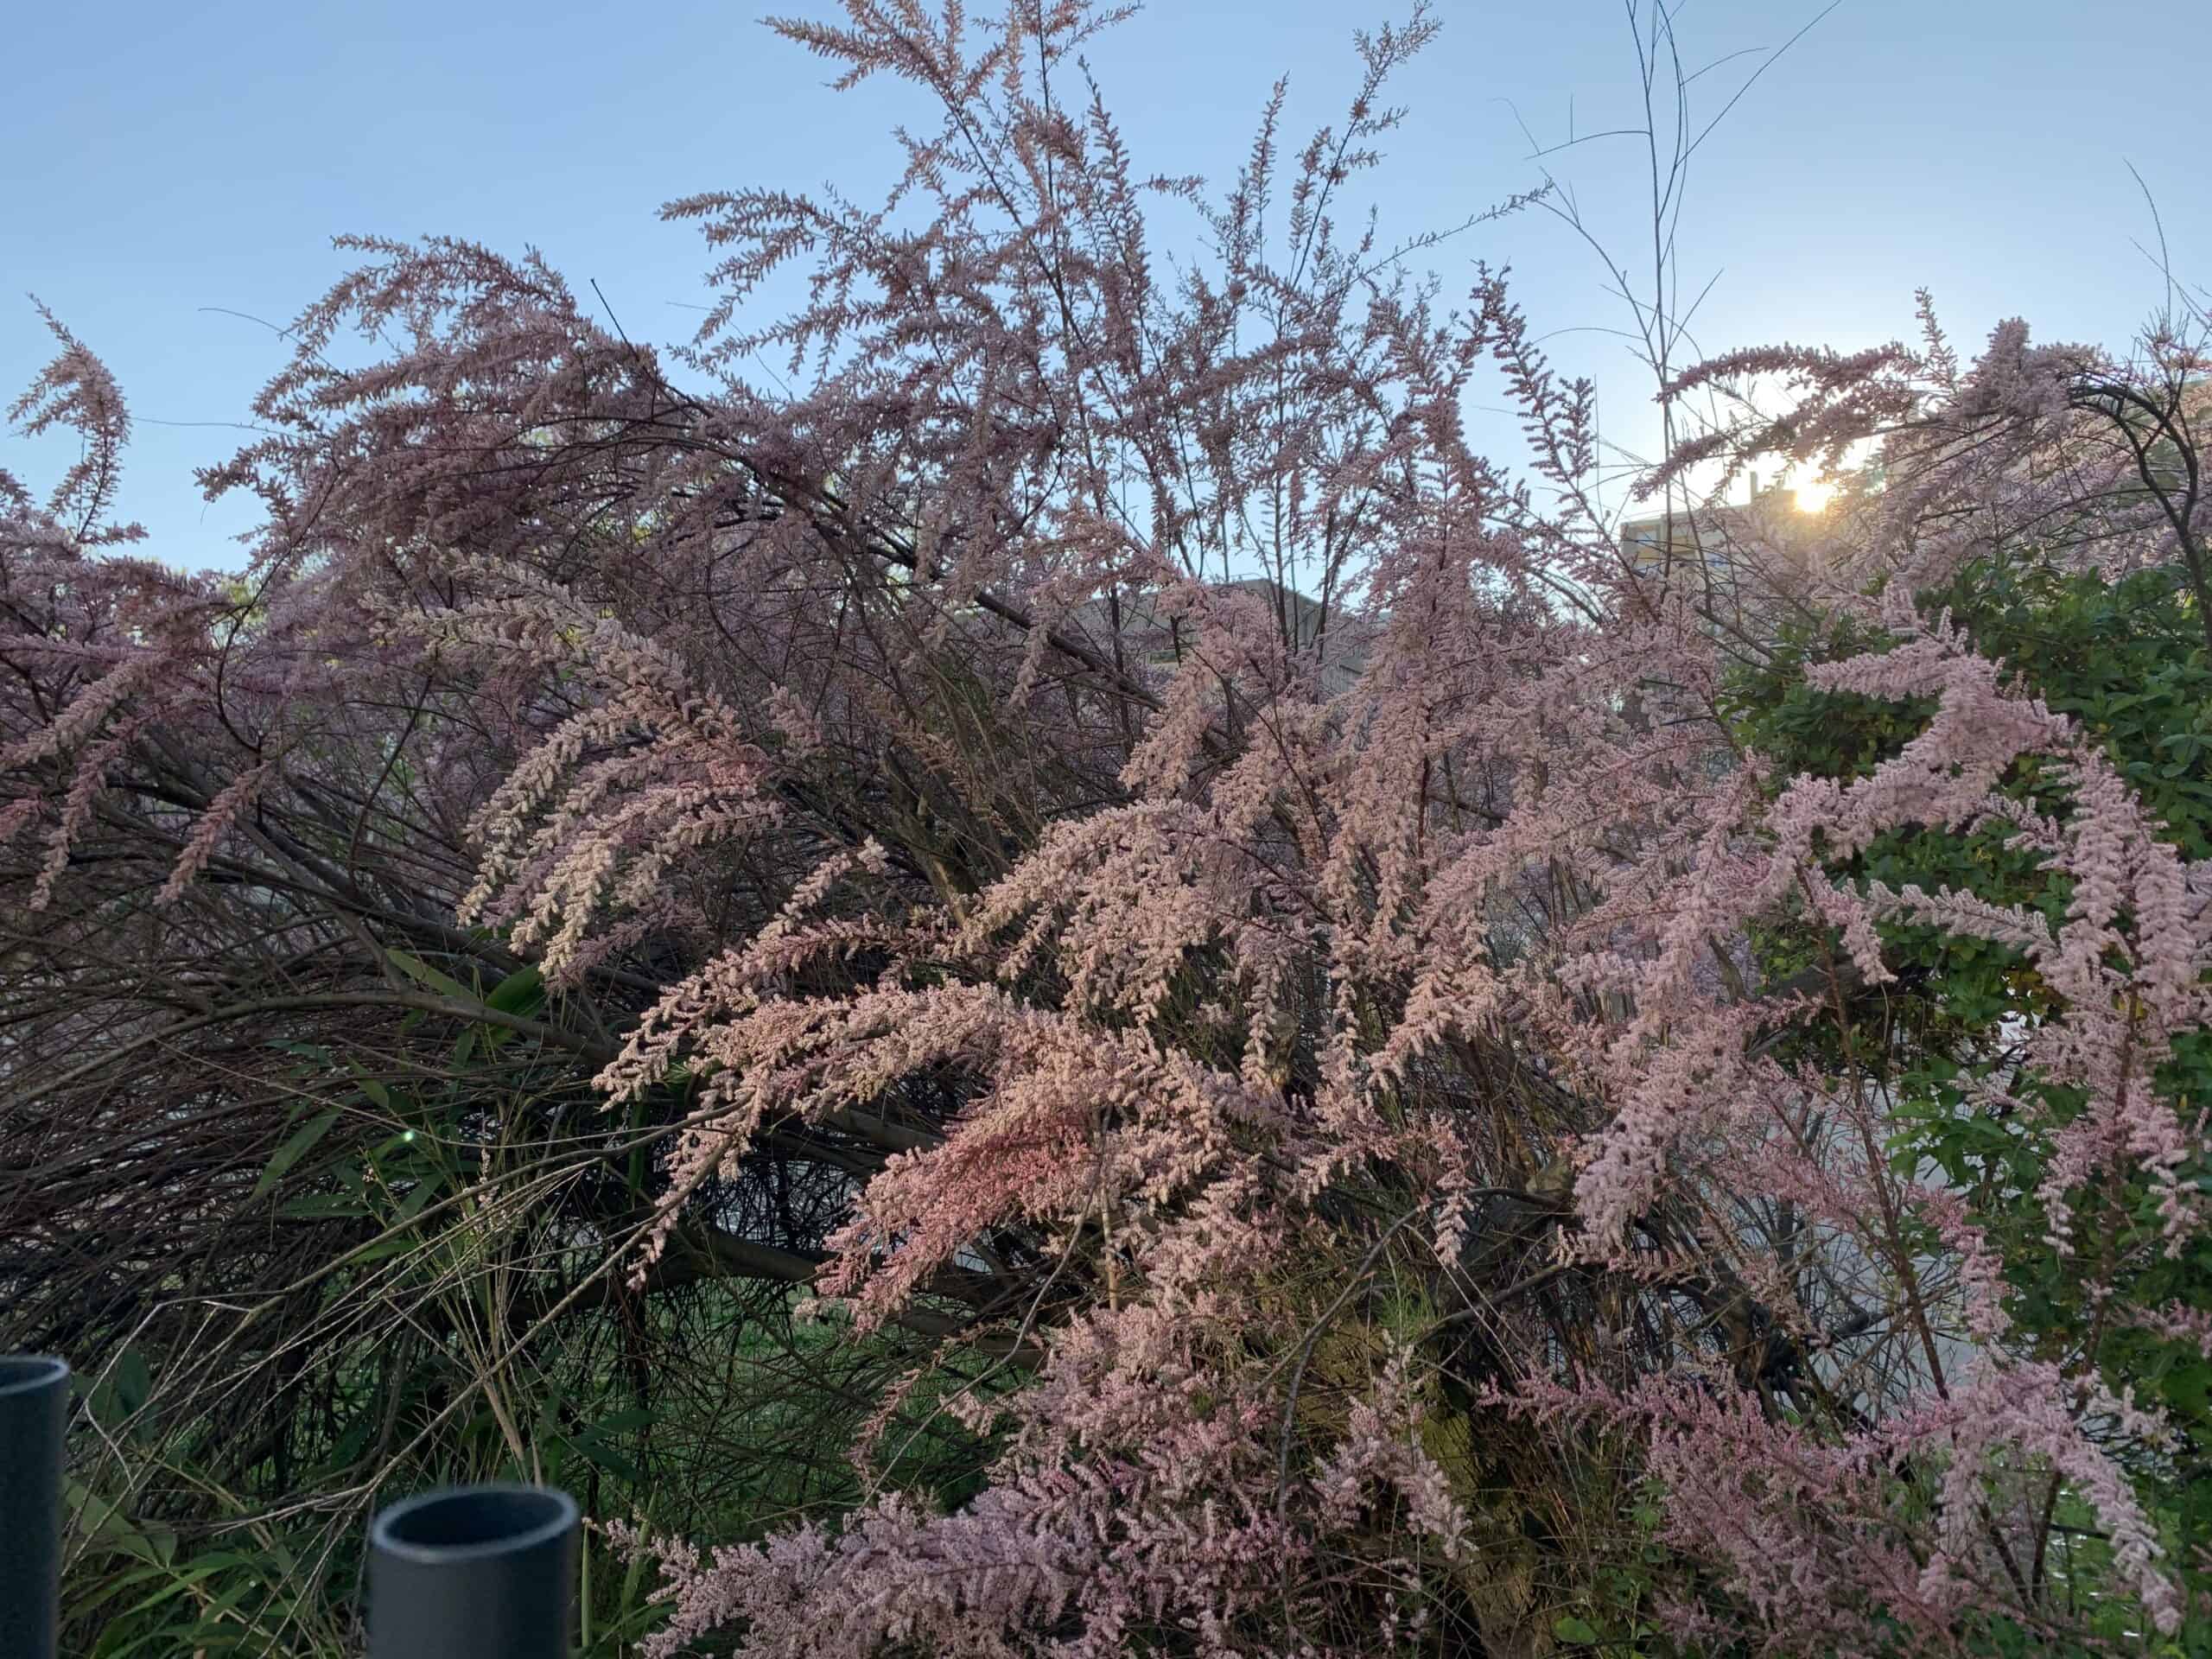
(167, 165)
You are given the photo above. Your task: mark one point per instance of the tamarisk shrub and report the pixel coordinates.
(1366, 1082)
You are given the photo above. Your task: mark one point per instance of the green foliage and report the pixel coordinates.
(422, 1212)
(2127, 660)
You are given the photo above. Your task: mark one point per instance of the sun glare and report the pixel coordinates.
(1813, 494)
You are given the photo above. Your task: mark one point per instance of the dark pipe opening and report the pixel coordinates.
(20, 1373)
(493, 1519)
(475, 1572)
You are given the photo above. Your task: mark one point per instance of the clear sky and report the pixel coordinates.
(167, 162)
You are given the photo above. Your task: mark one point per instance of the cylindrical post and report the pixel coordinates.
(33, 1411)
(476, 1573)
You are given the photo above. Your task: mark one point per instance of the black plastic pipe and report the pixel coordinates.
(475, 1572)
(33, 1411)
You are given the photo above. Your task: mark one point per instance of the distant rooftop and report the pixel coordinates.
(1302, 617)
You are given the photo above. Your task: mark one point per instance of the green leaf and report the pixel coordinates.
(1571, 1629)
(607, 1458)
(383, 1249)
(321, 1206)
(420, 1194)
(133, 1383)
(520, 992)
(296, 1145)
(107, 1527)
(422, 974)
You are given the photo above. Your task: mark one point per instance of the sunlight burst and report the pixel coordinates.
(1813, 494)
